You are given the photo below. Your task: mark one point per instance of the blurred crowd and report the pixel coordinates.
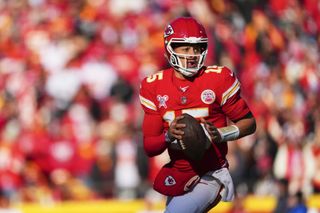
(70, 118)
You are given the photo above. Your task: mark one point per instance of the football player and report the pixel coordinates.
(209, 93)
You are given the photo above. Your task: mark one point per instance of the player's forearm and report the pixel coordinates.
(238, 130)
(246, 126)
(154, 145)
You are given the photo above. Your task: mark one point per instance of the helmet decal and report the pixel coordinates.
(168, 31)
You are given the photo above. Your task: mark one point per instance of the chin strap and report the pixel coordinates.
(229, 133)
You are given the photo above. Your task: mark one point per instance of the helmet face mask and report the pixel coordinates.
(187, 64)
(186, 32)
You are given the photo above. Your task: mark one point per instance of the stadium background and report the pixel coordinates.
(70, 117)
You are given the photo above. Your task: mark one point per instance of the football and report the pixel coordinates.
(194, 142)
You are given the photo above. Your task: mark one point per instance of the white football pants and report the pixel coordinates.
(203, 194)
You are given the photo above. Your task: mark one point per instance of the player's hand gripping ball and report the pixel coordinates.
(194, 142)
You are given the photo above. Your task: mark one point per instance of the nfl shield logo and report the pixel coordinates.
(183, 100)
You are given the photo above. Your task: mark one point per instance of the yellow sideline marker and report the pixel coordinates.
(251, 204)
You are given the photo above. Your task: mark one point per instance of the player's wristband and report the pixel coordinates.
(229, 133)
(167, 138)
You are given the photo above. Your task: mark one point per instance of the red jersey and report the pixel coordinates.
(214, 94)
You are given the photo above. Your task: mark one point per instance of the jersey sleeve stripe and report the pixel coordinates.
(147, 103)
(230, 92)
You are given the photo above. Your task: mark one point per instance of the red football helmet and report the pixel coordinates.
(185, 31)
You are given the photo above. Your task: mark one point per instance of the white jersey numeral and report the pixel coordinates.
(169, 116)
(156, 76)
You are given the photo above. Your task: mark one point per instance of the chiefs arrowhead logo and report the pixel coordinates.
(208, 96)
(168, 31)
(169, 181)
